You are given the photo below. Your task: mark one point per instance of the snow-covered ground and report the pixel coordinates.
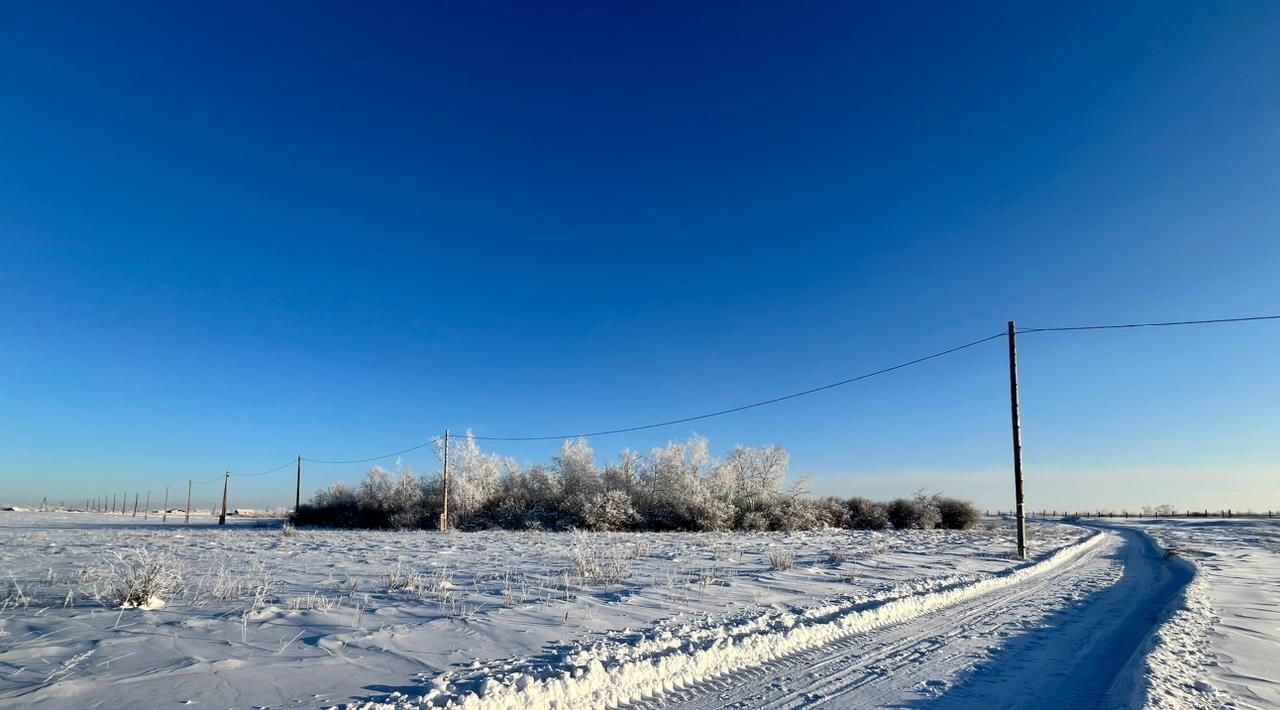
(334, 617)
(315, 618)
(1223, 647)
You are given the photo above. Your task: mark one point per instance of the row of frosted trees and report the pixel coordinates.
(677, 487)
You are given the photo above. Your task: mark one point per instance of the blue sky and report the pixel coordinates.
(231, 232)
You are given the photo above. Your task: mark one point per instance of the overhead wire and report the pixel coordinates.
(1157, 324)
(287, 464)
(744, 407)
(375, 458)
(766, 402)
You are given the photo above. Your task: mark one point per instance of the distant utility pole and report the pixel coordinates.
(297, 497)
(188, 509)
(113, 503)
(135, 504)
(222, 519)
(1017, 440)
(444, 516)
(164, 514)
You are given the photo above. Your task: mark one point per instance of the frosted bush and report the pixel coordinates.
(610, 511)
(782, 559)
(595, 565)
(677, 487)
(140, 578)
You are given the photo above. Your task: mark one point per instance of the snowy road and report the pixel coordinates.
(1062, 639)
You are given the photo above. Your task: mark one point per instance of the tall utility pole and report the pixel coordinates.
(113, 503)
(188, 509)
(444, 516)
(1017, 440)
(297, 497)
(135, 504)
(222, 519)
(164, 514)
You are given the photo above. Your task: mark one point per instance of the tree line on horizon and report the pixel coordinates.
(679, 487)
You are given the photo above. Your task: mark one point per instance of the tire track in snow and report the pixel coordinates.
(902, 659)
(593, 685)
(1065, 638)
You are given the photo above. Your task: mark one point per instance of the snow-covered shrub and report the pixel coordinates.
(140, 578)
(753, 521)
(781, 559)
(909, 514)
(957, 514)
(390, 502)
(680, 486)
(867, 514)
(714, 515)
(597, 565)
(920, 512)
(609, 512)
(13, 595)
(335, 506)
(798, 514)
(834, 512)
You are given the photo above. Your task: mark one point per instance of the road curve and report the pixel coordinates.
(1065, 639)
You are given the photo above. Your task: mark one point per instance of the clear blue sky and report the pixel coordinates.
(230, 232)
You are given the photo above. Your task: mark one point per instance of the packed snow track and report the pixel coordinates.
(1068, 638)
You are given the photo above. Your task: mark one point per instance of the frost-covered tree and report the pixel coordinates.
(758, 474)
(680, 486)
(624, 475)
(576, 466)
(677, 498)
(474, 476)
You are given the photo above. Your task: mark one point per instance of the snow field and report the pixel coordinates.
(330, 617)
(609, 675)
(1219, 647)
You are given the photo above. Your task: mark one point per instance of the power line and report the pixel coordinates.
(287, 464)
(1148, 325)
(375, 458)
(774, 400)
(744, 407)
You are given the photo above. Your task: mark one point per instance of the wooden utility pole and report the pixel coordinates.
(124, 501)
(222, 519)
(164, 514)
(188, 509)
(146, 507)
(297, 496)
(444, 516)
(113, 503)
(135, 504)
(1017, 440)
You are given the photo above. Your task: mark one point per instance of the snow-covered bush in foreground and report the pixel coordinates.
(679, 487)
(141, 579)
